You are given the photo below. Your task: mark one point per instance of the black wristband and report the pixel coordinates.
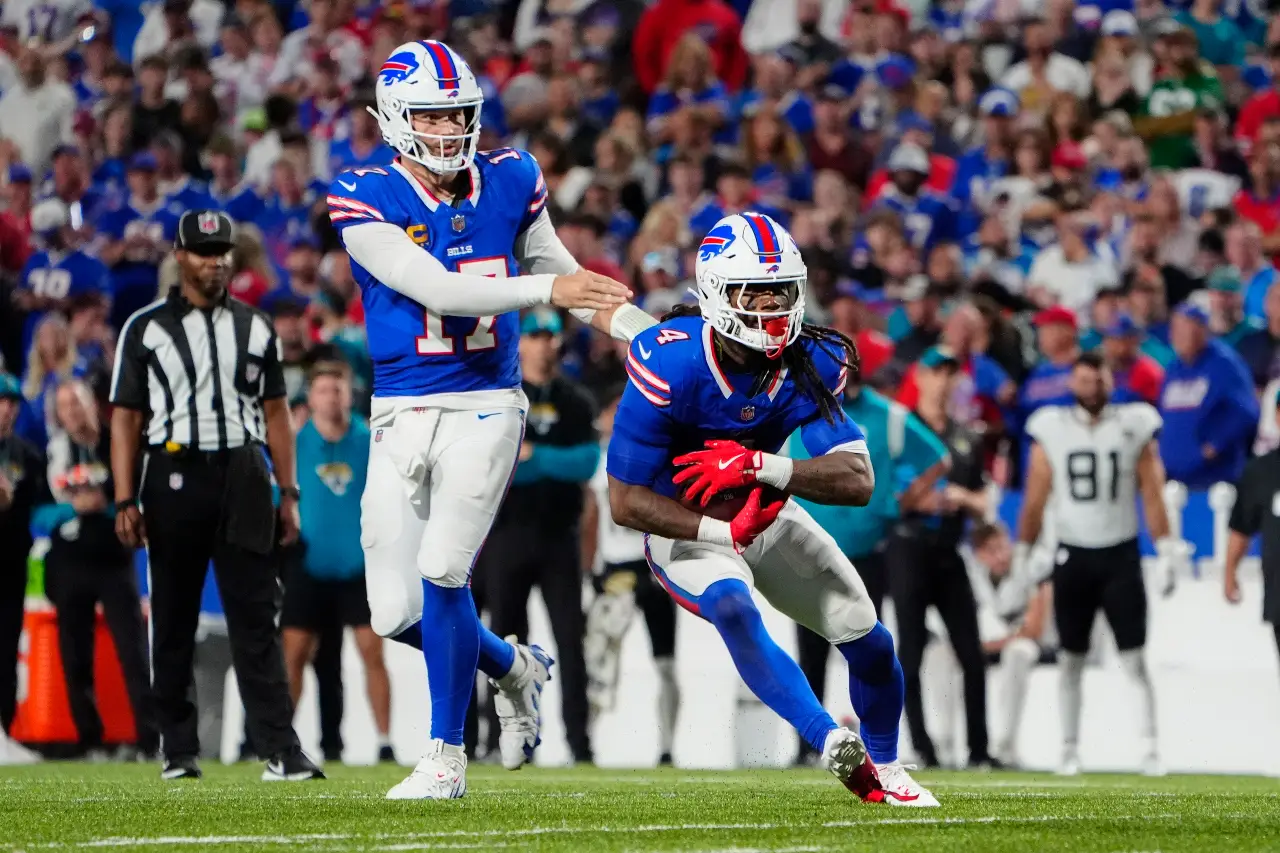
(127, 503)
(292, 492)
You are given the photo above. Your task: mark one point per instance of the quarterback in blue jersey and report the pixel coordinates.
(693, 464)
(438, 240)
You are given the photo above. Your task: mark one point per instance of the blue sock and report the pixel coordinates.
(411, 636)
(496, 654)
(769, 671)
(451, 646)
(877, 689)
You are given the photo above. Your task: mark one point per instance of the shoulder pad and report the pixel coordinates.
(827, 359)
(519, 167)
(1143, 419)
(659, 355)
(1042, 421)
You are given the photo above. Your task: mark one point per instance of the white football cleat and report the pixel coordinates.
(440, 775)
(1070, 765)
(1151, 764)
(519, 706)
(901, 790)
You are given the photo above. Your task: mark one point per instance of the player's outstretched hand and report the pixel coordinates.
(723, 465)
(754, 518)
(586, 289)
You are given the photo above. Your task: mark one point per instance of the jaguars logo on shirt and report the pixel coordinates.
(337, 476)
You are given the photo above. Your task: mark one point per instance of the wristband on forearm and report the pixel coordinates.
(712, 531)
(775, 470)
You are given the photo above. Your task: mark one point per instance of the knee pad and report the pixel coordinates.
(389, 620)
(728, 605)
(444, 572)
(394, 602)
(871, 657)
(1020, 651)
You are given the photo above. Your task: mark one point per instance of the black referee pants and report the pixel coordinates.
(184, 503)
(516, 558)
(13, 590)
(922, 573)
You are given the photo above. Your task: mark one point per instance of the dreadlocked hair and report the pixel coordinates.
(799, 362)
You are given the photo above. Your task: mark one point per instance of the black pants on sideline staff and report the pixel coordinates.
(190, 503)
(923, 572)
(75, 590)
(13, 590)
(516, 558)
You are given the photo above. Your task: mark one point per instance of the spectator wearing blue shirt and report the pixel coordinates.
(909, 460)
(1208, 404)
(138, 235)
(287, 214)
(60, 272)
(230, 192)
(776, 159)
(734, 194)
(979, 167)
(927, 218)
(325, 584)
(363, 147)
(690, 87)
(1244, 251)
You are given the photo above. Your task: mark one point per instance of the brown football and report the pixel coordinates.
(725, 505)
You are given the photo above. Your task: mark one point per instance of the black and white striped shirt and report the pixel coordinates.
(199, 375)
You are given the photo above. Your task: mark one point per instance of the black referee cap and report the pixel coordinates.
(205, 232)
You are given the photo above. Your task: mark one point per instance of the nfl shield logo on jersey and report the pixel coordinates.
(251, 373)
(748, 413)
(207, 223)
(458, 222)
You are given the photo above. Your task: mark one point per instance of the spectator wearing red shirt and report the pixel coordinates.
(1260, 106)
(875, 349)
(1138, 376)
(942, 169)
(662, 25)
(1261, 204)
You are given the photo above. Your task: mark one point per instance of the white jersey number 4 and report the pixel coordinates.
(436, 342)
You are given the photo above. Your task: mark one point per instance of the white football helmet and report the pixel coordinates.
(428, 75)
(744, 250)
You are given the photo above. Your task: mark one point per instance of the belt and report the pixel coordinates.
(187, 453)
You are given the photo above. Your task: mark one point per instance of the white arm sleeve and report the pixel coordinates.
(540, 251)
(394, 259)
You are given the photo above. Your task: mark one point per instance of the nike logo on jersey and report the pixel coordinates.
(644, 353)
(487, 415)
(724, 466)
(346, 186)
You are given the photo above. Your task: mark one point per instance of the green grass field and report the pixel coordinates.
(79, 807)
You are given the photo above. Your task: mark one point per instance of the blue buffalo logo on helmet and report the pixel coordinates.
(398, 67)
(717, 240)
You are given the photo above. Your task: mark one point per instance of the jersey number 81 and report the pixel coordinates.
(437, 342)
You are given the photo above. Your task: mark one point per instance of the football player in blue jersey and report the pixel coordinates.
(693, 463)
(438, 240)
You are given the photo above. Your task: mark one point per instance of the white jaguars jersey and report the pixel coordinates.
(1094, 501)
(1200, 190)
(46, 20)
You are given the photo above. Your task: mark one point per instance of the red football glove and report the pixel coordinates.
(753, 519)
(724, 465)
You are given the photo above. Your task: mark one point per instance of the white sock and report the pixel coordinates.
(384, 739)
(668, 703)
(1016, 662)
(1134, 663)
(515, 675)
(1071, 677)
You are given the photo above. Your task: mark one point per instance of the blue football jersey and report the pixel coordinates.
(243, 202)
(680, 396)
(415, 352)
(59, 276)
(927, 219)
(343, 156)
(187, 194)
(135, 277)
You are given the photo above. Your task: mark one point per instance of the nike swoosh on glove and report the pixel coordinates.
(723, 465)
(754, 518)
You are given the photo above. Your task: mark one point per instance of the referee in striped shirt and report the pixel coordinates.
(198, 391)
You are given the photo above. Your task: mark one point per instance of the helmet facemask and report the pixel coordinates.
(726, 305)
(395, 118)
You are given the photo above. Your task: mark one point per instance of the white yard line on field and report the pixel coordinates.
(404, 839)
